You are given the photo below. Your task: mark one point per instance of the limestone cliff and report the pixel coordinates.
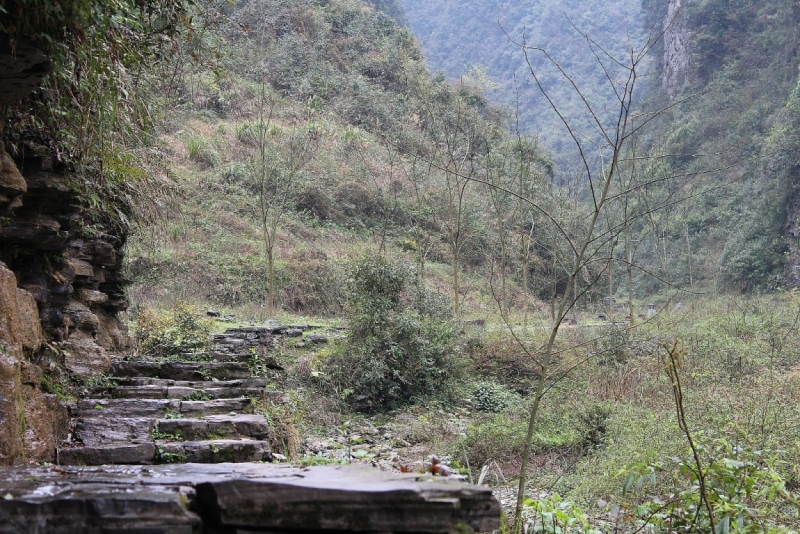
(676, 59)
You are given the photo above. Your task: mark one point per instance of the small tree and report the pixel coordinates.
(282, 153)
(593, 232)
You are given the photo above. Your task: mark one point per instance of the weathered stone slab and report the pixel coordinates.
(104, 430)
(204, 370)
(219, 451)
(350, 499)
(253, 426)
(189, 371)
(239, 497)
(143, 381)
(140, 392)
(136, 369)
(203, 384)
(230, 357)
(215, 393)
(124, 407)
(181, 392)
(217, 426)
(108, 454)
(45, 504)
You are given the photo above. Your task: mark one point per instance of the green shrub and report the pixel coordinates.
(247, 133)
(400, 348)
(553, 515)
(492, 397)
(502, 437)
(182, 329)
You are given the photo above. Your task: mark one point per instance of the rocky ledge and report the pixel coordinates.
(237, 498)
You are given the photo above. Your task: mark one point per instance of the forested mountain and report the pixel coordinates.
(725, 76)
(733, 130)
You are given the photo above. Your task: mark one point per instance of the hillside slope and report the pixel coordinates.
(326, 117)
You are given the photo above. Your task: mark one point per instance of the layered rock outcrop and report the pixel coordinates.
(60, 291)
(228, 498)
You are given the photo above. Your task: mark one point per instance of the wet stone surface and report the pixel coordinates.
(251, 497)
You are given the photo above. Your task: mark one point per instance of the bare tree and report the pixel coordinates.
(457, 135)
(591, 242)
(282, 152)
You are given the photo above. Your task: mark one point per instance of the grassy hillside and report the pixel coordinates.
(342, 91)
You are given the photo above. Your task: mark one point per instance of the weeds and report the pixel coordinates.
(179, 330)
(174, 436)
(163, 457)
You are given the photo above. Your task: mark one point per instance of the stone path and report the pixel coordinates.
(188, 415)
(179, 411)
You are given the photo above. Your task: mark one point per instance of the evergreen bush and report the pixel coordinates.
(400, 348)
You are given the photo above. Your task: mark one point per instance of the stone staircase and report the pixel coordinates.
(198, 410)
(198, 413)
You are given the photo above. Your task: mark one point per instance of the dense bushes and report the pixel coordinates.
(401, 341)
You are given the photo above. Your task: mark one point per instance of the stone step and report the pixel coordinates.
(155, 408)
(97, 431)
(219, 356)
(214, 452)
(122, 453)
(216, 427)
(182, 370)
(150, 381)
(184, 392)
(216, 406)
(203, 452)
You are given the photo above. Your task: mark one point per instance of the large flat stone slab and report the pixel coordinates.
(349, 499)
(238, 497)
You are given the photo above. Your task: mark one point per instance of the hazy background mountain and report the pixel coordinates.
(467, 37)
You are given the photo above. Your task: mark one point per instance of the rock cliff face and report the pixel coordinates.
(793, 227)
(60, 281)
(60, 291)
(676, 38)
